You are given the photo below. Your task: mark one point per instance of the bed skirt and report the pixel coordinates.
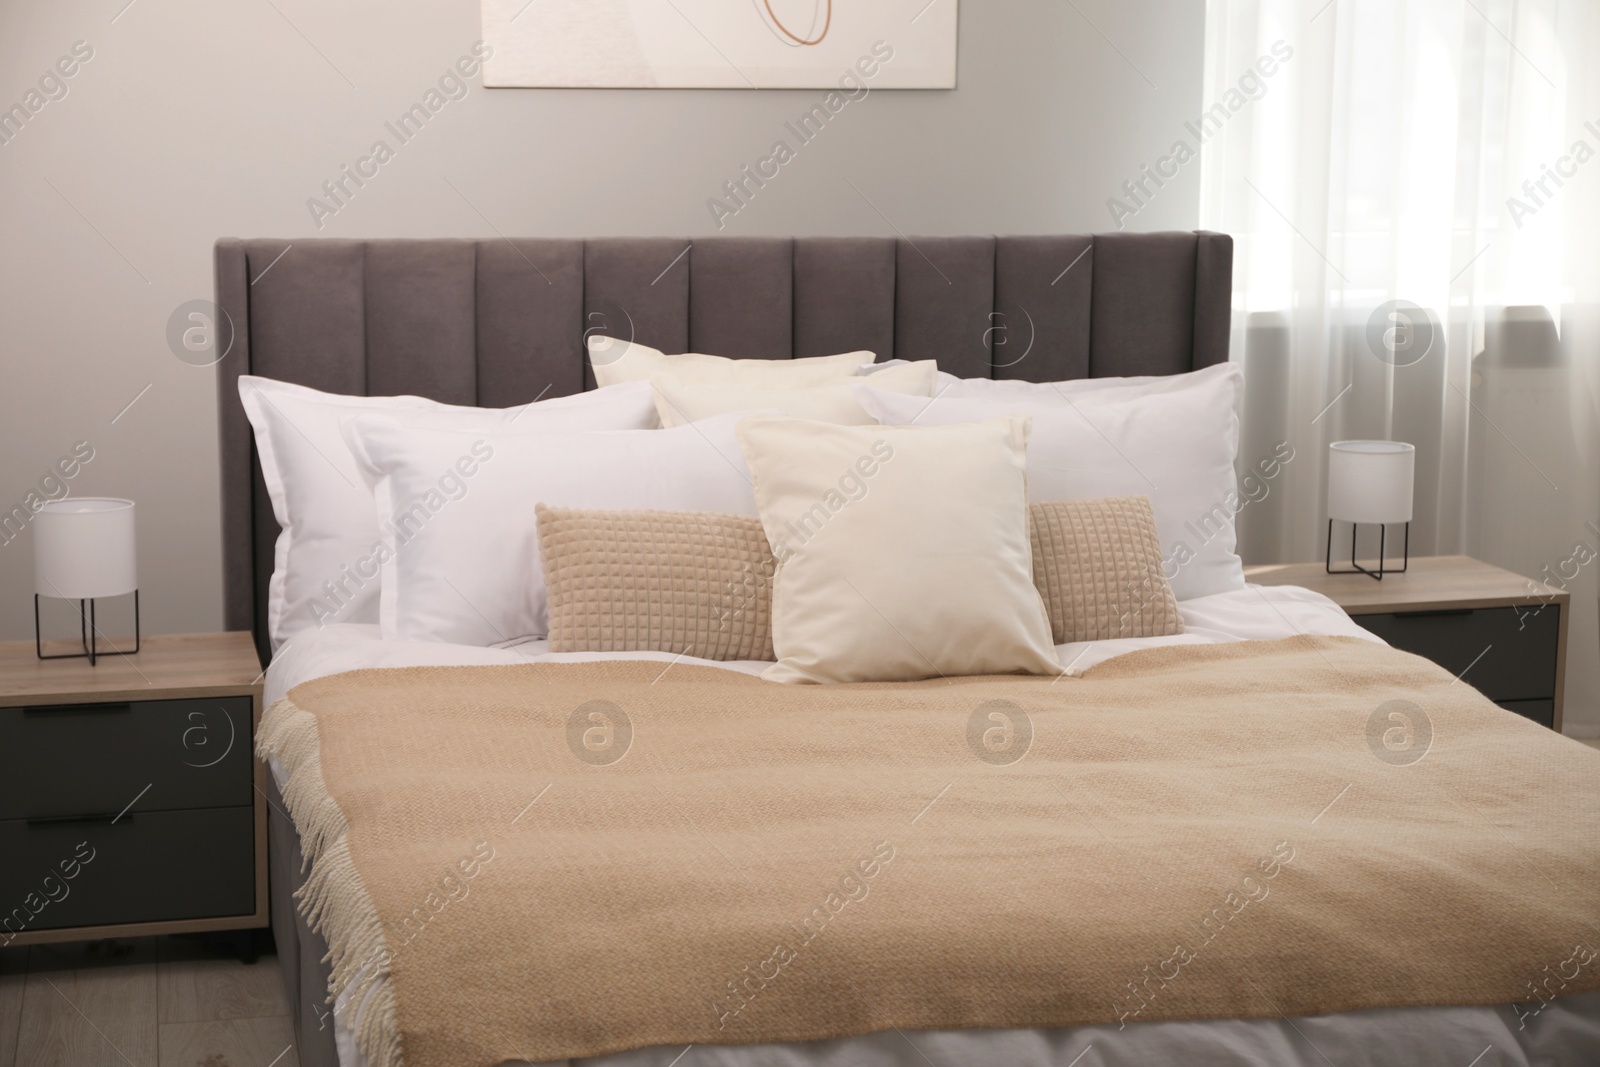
(301, 950)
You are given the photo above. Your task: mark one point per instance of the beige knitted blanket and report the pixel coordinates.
(558, 860)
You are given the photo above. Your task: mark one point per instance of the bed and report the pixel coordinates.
(499, 323)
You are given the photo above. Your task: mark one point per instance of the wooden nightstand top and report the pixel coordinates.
(167, 667)
(1432, 583)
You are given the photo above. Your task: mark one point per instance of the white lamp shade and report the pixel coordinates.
(1371, 481)
(84, 548)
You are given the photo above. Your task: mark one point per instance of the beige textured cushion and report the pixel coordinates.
(1097, 564)
(687, 582)
(903, 550)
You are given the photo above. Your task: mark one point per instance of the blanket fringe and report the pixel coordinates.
(333, 901)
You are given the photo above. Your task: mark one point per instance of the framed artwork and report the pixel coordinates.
(720, 44)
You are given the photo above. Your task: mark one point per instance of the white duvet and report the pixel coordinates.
(1566, 1032)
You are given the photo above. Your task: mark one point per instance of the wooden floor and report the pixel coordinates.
(146, 1002)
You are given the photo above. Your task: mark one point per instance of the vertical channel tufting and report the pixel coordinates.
(306, 313)
(530, 320)
(637, 288)
(306, 326)
(471, 323)
(1144, 304)
(741, 297)
(1213, 298)
(1043, 297)
(421, 312)
(944, 302)
(236, 444)
(844, 296)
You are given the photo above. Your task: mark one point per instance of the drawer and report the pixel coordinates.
(146, 867)
(1520, 663)
(94, 759)
(1542, 712)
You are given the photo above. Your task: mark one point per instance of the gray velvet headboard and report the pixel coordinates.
(501, 322)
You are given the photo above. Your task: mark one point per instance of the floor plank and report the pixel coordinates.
(229, 1043)
(89, 1005)
(203, 983)
(13, 976)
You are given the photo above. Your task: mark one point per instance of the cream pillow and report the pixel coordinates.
(680, 401)
(903, 552)
(616, 361)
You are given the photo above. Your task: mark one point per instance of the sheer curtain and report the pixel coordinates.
(1414, 194)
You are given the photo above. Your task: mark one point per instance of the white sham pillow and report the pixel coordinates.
(679, 401)
(866, 370)
(903, 552)
(324, 570)
(615, 361)
(1176, 446)
(461, 560)
(1076, 389)
(948, 386)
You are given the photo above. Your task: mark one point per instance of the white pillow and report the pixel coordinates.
(616, 361)
(868, 369)
(679, 401)
(1177, 446)
(462, 564)
(902, 553)
(324, 569)
(950, 387)
(1078, 388)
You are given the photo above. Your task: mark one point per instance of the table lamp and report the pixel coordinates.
(83, 550)
(1371, 482)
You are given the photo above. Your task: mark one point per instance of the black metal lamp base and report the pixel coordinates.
(1356, 568)
(88, 633)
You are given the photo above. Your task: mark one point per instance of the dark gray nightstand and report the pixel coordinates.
(131, 801)
(1501, 632)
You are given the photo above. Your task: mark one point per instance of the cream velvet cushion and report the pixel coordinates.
(903, 552)
(680, 400)
(616, 361)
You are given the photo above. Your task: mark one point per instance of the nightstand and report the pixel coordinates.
(131, 800)
(1503, 633)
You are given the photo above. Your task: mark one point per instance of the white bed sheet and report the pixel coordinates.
(1565, 1032)
(1255, 613)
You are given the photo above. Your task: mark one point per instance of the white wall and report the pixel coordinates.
(198, 120)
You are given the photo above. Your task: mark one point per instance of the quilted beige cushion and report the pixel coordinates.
(1097, 564)
(686, 582)
(700, 584)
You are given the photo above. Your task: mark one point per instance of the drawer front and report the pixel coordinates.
(1520, 663)
(94, 759)
(146, 867)
(1542, 712)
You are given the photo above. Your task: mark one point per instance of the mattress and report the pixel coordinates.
(1565, 1031)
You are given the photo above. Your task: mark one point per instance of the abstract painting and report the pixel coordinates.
(720, 44)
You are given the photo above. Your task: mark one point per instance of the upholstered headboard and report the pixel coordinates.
(501, 322)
